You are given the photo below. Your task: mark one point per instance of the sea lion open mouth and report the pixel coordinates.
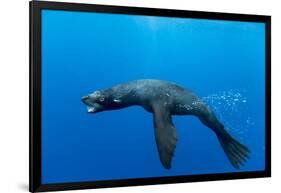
(92, 107)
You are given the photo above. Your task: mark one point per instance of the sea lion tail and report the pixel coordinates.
(236, 152)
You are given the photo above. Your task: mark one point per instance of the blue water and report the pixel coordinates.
(221, 61)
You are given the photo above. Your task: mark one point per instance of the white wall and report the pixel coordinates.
(14, 94)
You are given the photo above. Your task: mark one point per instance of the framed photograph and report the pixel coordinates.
(123, 96)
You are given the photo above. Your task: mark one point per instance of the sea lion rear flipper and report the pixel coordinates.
(165, 134)
(236, 152)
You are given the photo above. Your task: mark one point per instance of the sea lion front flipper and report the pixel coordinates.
(165, 134)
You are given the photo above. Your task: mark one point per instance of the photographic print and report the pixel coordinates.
(132, 96)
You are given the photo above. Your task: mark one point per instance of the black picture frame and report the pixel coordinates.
(35, 95)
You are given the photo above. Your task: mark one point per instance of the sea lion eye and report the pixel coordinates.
(101, 99)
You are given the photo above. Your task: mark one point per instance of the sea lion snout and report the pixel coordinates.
(87, 100)
(83, 98)
(92, 102)
(91, 98)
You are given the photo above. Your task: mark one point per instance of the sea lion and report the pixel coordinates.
(164, 99)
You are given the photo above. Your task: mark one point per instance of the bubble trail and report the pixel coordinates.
(230, 107)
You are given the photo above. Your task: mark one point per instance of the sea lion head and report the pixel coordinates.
(94, 101)
(100, 101)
